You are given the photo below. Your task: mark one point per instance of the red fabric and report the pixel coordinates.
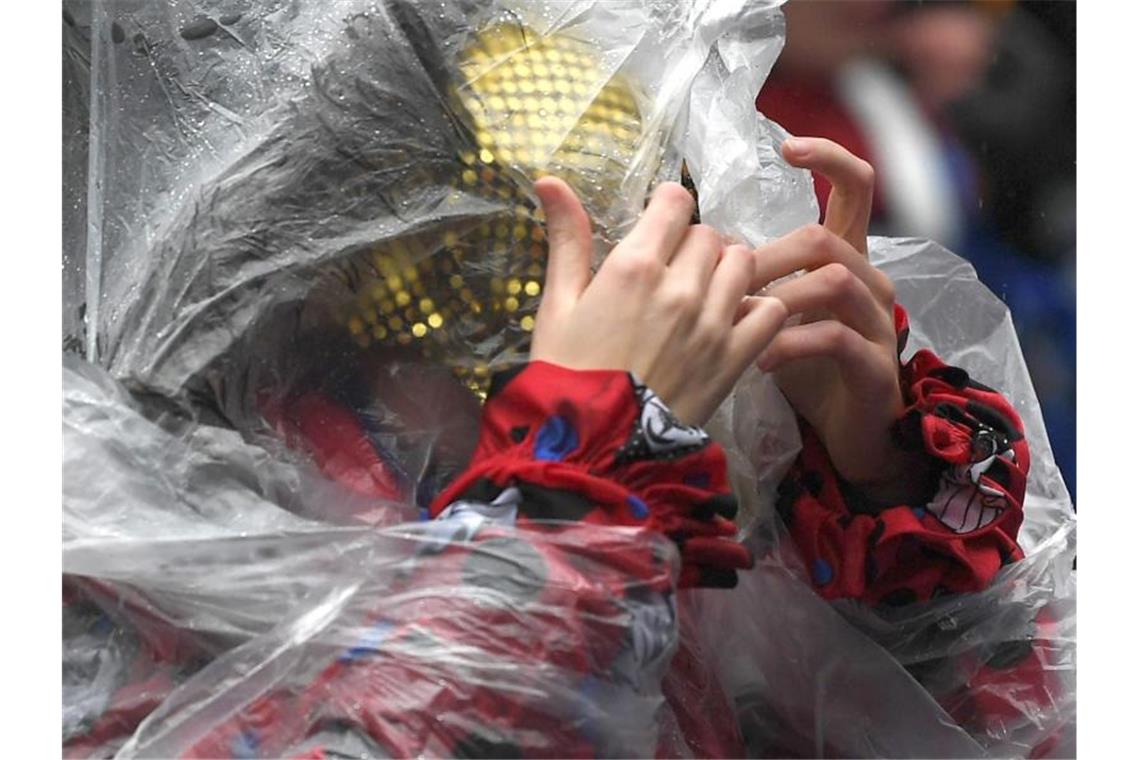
(704, 713)
(160, 651)
(894, 555)
(600, 413)
(912, 552)
(999, 694)
(339, 445)
(394, 689)
(954, 542)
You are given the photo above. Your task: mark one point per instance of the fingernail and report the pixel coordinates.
(796, 145)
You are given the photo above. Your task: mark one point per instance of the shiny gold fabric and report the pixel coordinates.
(533, 106)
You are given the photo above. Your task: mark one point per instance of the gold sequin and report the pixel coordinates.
(539, 105)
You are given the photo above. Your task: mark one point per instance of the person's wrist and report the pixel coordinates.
(902, 477)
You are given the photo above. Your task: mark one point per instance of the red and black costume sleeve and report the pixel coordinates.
(598, 446)
(953, 541)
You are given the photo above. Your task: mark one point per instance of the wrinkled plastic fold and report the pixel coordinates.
(285, 226)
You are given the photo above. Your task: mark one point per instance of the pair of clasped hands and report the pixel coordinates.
(687, 312)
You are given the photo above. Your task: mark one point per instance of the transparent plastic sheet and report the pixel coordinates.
(131, 477)
(166, 580)
(251, 176)
(842, 679)
(956, 316)
(430, 646)
(427, 638)
(119, 664)
(238, 164)
(76, 120)
(235, 162)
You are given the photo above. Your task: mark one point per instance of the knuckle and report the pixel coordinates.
(837, 278)
(816, 237)
(850, 343)
(777, 309)
(683, 299)
(740, 261)
(863, 174)
(634, 266)
(886, 287)
(710, 333)
(834, 336)
(705, 234)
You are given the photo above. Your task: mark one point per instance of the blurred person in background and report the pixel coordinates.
(968, 112)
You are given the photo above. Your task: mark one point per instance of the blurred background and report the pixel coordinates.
(967, 110)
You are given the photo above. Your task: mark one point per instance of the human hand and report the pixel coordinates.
(839, 366)
(670, 303)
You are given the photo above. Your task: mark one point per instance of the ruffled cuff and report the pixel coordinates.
(953, 541)
(600, 447)
(977, 436)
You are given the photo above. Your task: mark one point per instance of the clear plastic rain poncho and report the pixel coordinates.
(269, 200)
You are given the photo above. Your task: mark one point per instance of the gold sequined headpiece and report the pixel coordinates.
(535, 105)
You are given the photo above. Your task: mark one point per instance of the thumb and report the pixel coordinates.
(570, 242)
